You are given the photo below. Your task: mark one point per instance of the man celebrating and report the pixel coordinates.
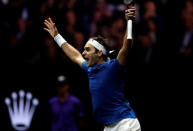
(105, 77)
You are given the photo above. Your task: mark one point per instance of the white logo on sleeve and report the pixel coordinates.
(21, 109)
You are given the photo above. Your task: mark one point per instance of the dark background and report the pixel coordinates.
(157, 84)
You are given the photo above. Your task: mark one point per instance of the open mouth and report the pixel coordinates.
(86, 60)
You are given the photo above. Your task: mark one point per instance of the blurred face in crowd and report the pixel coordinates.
(71, 17)
(150, 9)
(150, 6)
(63, 89)
(50, 48)
(71, 4)
(189, 5)
(151, 26)
(119, 24)
(187, 15)
(50, 3)
(78, 40)
(21, 24)
(90, 55)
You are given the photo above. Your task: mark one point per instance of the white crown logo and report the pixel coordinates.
(21, 113)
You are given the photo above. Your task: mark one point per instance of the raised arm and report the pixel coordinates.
(127, 41)
(69, 50)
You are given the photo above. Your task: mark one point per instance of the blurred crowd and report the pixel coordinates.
(162, 29)
(163, 35)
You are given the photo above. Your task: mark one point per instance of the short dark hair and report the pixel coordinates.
(103, 41)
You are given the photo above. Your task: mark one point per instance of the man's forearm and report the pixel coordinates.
(71, 52)
(126, 47)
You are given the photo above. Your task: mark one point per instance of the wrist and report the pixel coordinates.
(59, 40)
(55, 34)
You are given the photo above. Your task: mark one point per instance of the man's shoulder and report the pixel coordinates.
(53, 100)
(112, 62)
(74, 98)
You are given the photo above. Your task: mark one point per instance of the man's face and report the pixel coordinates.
(63, 89)
(90, 55)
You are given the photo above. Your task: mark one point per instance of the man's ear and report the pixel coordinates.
(100, 53)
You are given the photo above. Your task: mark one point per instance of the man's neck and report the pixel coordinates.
(63, 97)
(100, 62)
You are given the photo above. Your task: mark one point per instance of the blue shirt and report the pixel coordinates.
(106, 87)
(65, 113)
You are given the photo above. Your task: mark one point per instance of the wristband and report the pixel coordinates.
(129, 29)
(59, 40)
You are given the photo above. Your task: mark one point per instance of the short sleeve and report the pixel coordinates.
(84, 67)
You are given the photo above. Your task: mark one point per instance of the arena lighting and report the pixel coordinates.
(21, 109)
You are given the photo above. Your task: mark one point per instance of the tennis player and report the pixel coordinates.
(106, 82)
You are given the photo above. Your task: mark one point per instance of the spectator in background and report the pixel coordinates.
(70, 23)
(149, 31)
(51, 50)
(148, 41)
(149, 11)
(117, 30)
(79, 40)
(47, 8)
(66, 109)
(100, 17)
(185, 39)
(67, 20)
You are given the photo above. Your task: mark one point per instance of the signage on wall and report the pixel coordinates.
(21, 109)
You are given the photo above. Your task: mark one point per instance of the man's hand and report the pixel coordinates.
(51, 27)
(130, 13)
